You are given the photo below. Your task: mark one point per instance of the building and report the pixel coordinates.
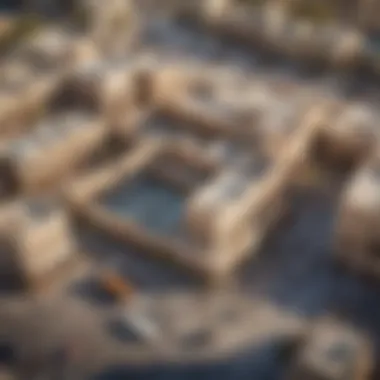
(35, 242)
(347, 135)
(53, 149)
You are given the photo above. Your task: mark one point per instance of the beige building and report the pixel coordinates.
(112, 26)
(106, 88)
(51, 151)
(35, 241)
(348, 134)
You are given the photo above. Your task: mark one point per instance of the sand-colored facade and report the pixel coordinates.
(52, 150)
(36, 241)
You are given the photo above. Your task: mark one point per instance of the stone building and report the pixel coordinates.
(106, 88)
(52, 150)
(229, 216)
(347, 135)
(111, 25)
(35, 241)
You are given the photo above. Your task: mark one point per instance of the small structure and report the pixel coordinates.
(34, 71)
(206, 105)
(35, 240)
(149, 157)
(357, 242)
(59, 50)
(347, 135)
(188, 138)
(231, 215)
(229, 211)
(112, 28)
(333, 351)
(215, 104)
(245, 198)
(46, 50)
(106, 88)
(55, 148)
(23, 94)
